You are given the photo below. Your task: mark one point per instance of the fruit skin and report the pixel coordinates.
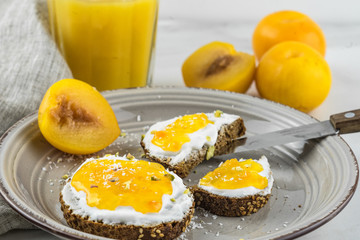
(287, 26)
(218, 65)
(75, 118)
(294, 74)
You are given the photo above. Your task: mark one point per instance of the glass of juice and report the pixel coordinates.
(106, 43)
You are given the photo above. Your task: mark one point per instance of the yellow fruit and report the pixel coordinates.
(218, 65)
(75, 118)
(287, 26)
(294, 74)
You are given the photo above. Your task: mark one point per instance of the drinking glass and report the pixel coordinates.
(106, 43)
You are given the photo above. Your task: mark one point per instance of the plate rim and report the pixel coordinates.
(44, 225)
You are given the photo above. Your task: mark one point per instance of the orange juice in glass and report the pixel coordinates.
(106, 43)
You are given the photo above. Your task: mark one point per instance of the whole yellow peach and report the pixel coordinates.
(294, 74)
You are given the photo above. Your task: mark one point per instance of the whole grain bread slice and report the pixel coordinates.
(228, 206)
(225, 135)
(166, 230)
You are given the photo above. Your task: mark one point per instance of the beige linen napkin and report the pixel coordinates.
(29, 64)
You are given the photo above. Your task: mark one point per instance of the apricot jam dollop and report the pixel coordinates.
(110, 183)
(234, 174)
(177, 133)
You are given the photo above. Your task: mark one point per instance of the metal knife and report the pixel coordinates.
(341, 123)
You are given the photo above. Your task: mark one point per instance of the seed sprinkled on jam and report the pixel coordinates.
(233, 174)
(109, 183)
(176, 134)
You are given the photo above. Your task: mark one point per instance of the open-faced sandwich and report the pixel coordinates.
(235, 188)
(183, 142)
(123, 198)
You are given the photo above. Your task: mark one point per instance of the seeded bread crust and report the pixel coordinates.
(167, 231)
(225, 135)
(228, 206)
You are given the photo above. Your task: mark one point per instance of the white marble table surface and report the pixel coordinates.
(188, 24)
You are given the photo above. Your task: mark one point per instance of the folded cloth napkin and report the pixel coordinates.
(29, 64)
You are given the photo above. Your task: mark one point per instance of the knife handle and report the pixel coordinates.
(346, 122)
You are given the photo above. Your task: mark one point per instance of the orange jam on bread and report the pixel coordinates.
(234, 174)
(109, 183)
(176, 134)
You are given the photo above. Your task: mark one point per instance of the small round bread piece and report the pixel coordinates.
(212, 140)
(228, 206)
(235, 202)
(133, 221)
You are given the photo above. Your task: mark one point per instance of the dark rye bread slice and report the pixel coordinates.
(228, 206)
(226, 134)
(167, 230)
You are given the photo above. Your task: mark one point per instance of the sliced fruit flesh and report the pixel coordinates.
(77, 119)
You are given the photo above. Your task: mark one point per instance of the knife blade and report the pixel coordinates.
(289, 135)
(341, 123)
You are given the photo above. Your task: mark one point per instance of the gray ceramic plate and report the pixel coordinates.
(314, 180)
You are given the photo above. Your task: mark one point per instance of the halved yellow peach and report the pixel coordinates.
(218, 65)
(75, 118)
